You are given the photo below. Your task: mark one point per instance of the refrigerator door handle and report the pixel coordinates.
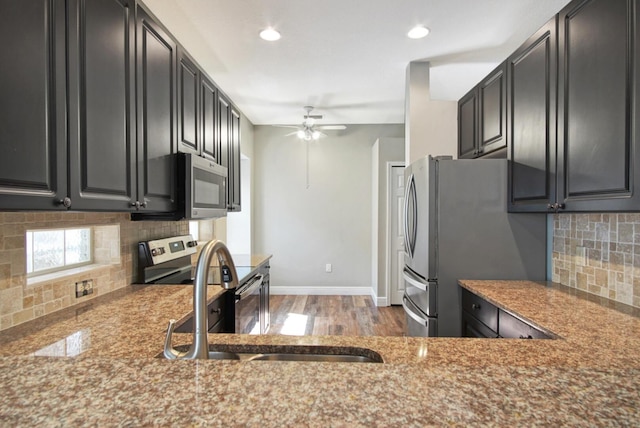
(416, 283)
(417, 318)
(410, 227)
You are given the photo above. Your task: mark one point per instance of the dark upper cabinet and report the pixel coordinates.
(598, 156)
(157, 118)
(222, 143)
(102, 104)
(531, 119)
(33, 105)
(482, 117)
(468, 125)
(228, 149)
(492, 122)
(233, 180)
(188, 118)
(208, 102)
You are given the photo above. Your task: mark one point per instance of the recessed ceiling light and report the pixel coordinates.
(269, 34)
(418, 32)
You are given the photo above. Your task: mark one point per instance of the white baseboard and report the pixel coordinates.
(321, 291)
(329, 291)
(380, 301)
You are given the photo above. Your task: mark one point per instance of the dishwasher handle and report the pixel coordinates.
(253, 284)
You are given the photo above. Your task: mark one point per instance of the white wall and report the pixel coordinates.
(431, 126)
(330, 221)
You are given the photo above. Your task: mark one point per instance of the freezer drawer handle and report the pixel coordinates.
(415, 283)
(412, 314)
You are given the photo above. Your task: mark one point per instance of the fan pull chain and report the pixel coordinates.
(307, 164)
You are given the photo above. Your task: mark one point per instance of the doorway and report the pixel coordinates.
(395, 232)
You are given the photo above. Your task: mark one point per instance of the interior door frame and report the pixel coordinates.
(387, 246)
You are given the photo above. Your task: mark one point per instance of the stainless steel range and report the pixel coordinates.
(168, 261)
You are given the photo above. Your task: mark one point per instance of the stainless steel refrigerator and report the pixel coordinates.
(456, 226)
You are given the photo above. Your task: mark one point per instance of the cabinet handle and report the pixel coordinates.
(216, 311)
(555, 207)
(527, 337)
(66, 202)
(475, 306)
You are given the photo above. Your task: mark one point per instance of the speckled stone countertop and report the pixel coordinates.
(589, 376)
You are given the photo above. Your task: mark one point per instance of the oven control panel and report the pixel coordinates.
(167, 249)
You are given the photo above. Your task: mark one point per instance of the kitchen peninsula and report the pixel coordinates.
(99, 367)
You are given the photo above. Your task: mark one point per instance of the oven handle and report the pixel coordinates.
(417, 318)
(248, 289)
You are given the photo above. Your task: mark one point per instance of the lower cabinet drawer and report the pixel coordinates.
(471, 327)
(511, 327)
(480, 309)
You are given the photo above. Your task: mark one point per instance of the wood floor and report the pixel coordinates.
(334, 315)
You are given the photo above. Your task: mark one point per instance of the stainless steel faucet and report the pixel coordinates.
(199, 349)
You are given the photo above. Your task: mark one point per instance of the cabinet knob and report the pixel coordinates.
(216, 311)
(66, 202)
(550, 206)
(475, 306)
(136, 204)
(144, 204)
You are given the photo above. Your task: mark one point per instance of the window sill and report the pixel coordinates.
(64, 273)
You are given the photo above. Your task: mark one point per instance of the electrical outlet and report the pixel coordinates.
(84, 288)
(328, 268)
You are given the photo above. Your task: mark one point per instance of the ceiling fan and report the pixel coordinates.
(309, 130)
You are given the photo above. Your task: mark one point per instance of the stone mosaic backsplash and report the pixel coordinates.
(21, 302)
(598, 253)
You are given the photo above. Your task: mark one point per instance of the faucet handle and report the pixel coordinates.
(169, 352)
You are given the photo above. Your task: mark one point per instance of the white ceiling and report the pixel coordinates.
(348, 58)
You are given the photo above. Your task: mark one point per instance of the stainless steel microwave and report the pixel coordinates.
(201, 191)
(202, 187)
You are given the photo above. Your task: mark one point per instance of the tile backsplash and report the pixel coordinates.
(598, 253)
(20, 302)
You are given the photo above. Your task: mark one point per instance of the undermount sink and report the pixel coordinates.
(339, 354)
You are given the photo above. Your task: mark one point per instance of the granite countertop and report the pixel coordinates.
(589, 375)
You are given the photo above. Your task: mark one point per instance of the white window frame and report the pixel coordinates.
(65, 266)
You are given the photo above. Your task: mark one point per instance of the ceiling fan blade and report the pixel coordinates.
(332, 127)
(286, 126)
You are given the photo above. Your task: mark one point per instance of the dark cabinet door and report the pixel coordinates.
(234, 161)
(101, 104)
(222, 144)
(188, 132)
(32, 105)
(468, 126)
(598, 106)
(157, 119)
(531, 118)
(492, 123)
(208, 102)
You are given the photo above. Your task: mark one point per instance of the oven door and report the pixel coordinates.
(248, 307)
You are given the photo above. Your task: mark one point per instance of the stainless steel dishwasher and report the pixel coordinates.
(248, 307)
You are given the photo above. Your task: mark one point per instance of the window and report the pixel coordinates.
(58, 249)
